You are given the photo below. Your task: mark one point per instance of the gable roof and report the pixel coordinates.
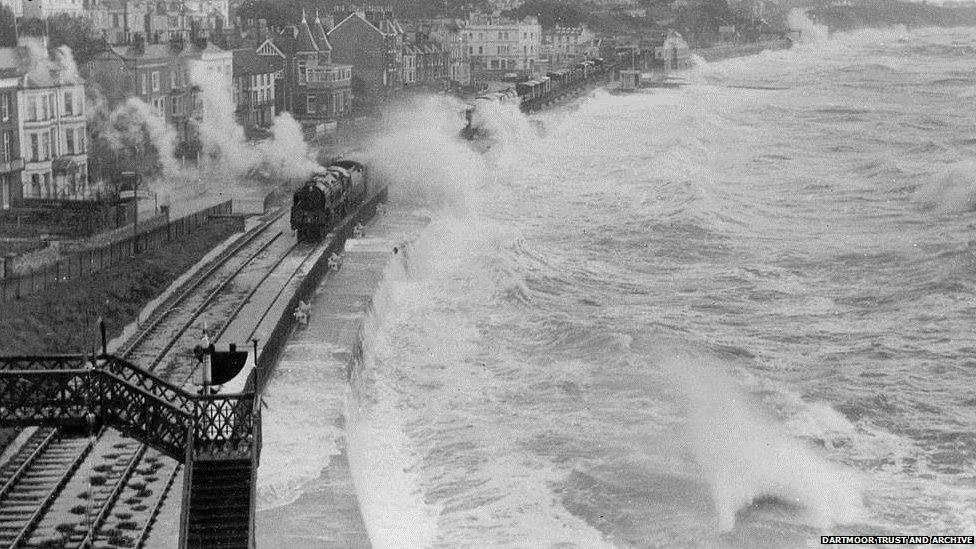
(357, 17)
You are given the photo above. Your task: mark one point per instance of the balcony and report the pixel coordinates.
(329, 77)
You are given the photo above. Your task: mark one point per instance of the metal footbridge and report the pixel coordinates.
(217, 439)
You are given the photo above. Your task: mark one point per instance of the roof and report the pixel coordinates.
(297, 39)
(249, 62)
(318, 32)
(386, 26)
(353, 16)
(305, 42)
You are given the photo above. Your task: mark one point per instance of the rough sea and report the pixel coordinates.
(740, 313)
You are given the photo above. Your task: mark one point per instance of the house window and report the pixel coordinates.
(35, 147)
(7, 147)
(69, 106)
(80, 141)
(155, 81)
(5, 106)
(172, 79)
(36, 185)
(310, 106)
(44, 111)
(69, 137)
(50, 103)
(52, 145)
(142, 84)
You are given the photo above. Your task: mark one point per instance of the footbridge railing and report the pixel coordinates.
(75, 392)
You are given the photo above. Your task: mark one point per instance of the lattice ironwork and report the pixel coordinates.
(38, 397)
(225, 426)
(67, 390)
(140, 378)
(142, 415)
(56, 362)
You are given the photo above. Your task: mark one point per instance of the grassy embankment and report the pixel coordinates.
(62, 319)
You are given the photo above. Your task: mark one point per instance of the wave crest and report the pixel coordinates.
(747, 458)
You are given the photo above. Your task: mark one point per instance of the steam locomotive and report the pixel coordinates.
(326, 198)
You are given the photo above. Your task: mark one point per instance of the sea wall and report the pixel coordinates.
(727, 51)
(307, 495)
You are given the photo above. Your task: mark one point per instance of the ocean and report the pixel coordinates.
(734, 314)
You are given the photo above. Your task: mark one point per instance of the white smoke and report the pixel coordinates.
(43, 68)
(136, 126)
(225, 148)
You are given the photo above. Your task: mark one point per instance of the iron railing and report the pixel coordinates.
(74, 391)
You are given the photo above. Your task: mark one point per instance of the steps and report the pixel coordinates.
(220, 504)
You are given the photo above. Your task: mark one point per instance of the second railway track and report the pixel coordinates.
(123, 484)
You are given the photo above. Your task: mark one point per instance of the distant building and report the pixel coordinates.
(565, 46)
(450, 33)
(46, 8)
(254, 88)
(157, 74)
(371, 40)
(671, 52)
(498, 45)
(118, 21)
(43, 134)
(158, 22)
(11, 159)
(313, 89)
(217, 63)
(426, 60)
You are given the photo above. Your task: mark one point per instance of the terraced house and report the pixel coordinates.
(157, 74)
(314, 90)
(254, 88)
(49, 107)
(371, 40)
(11, 161)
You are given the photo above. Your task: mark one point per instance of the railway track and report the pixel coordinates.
(42, 501)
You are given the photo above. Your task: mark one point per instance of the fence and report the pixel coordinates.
(93, 260)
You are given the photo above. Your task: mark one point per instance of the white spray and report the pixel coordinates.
(420, 154)
(810, 32)
(746, 457)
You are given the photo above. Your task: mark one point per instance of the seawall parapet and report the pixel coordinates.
(305, 479)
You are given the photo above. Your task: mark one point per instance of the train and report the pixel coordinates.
(530, 94)
(327, 198)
